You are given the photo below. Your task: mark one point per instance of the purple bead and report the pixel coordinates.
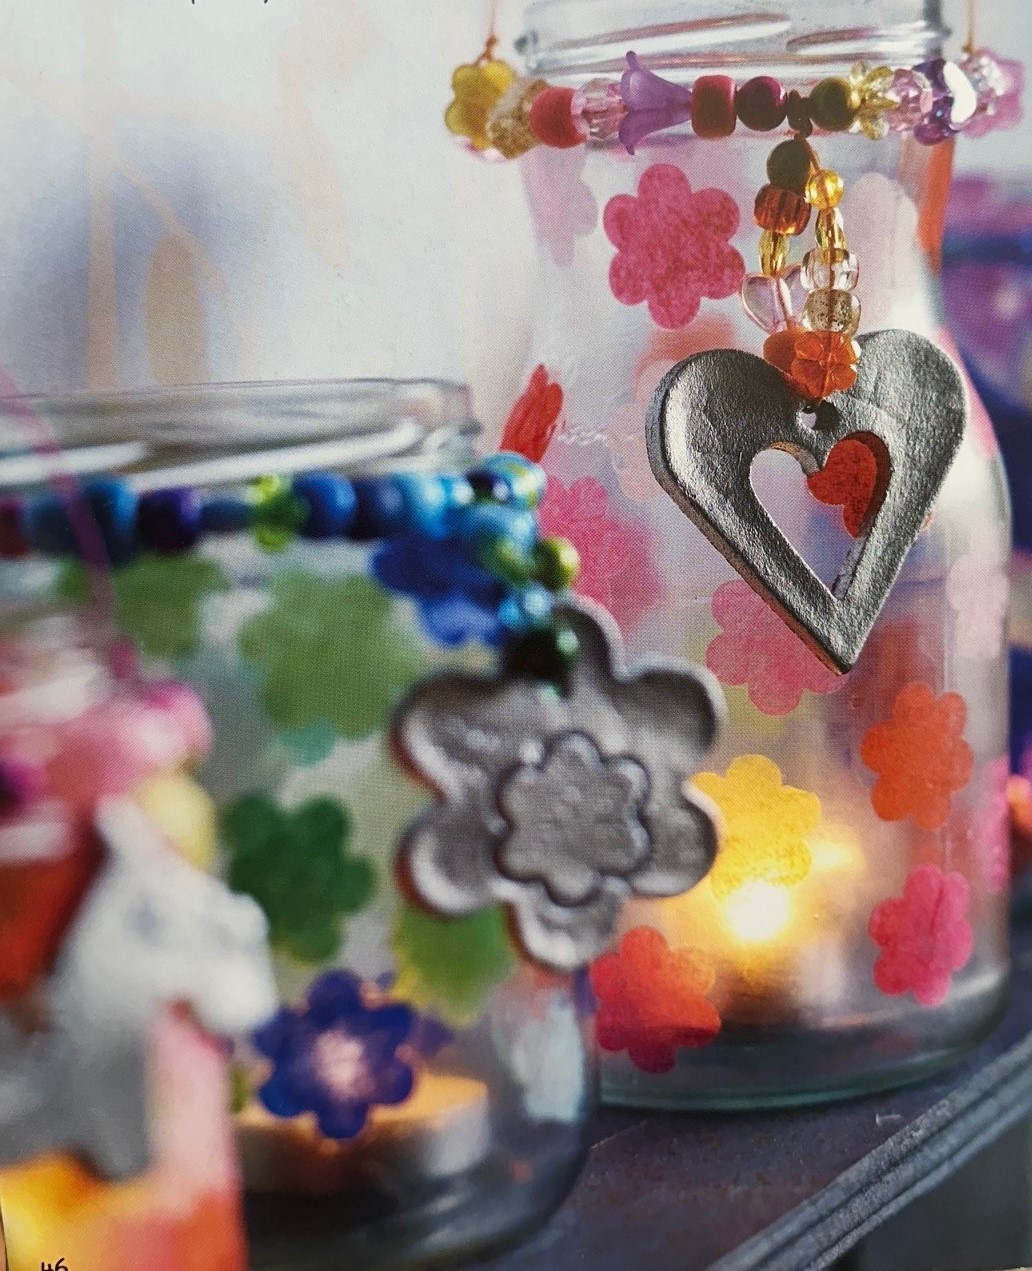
(652, 103)
(953, 105)
(914, 97)
(760, 103)
(170, 520)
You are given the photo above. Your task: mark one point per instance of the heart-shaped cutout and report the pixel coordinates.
(714, 412)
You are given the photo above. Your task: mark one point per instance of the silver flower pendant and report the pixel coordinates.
(715, 412)
(560, 805)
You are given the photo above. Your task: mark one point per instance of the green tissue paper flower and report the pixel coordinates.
(158, 600)
(297, 866)
(449, 965)
(332, 651)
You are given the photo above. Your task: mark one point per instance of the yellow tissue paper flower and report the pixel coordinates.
(765, 824)
(478, 88)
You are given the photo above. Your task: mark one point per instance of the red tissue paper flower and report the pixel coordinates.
(924, 935)
(672, 246)
(617, 557)
(534, 417)
(848, 479)
(920, 757)
(652, 1000)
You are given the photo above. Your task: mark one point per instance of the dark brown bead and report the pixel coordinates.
(781, 211)
(797, 111)
(760, 103)
(789, 166)
(834, 104)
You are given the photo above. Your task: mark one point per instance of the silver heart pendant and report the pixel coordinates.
(715, 412)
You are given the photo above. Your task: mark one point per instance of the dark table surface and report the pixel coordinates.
(786, 1190)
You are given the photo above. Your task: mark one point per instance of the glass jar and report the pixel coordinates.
(783, 977)
(444, 1078)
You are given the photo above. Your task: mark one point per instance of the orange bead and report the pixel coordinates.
(781, 211)
(825, 362)
(779, 349)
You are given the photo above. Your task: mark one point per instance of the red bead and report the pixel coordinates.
(12, 542)
(551, 119)
(760, 103)
(781, 211)
(713, 106)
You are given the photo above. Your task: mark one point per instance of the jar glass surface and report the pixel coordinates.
(815, 960)
(300, 656)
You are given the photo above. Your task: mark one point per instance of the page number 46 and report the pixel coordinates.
(59, 1265)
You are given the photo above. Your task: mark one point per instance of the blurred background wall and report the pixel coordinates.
(232, 189)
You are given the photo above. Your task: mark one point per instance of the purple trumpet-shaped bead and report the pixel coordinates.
(652, 103)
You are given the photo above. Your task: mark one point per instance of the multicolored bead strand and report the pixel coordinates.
(496, 110)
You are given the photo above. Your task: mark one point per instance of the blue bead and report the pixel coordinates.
(485, 522)
(525, 481)
(527, 609)
(227, 514)
(331, 504)
(457, 490)
(427, 503)
(47, 525)
(380, 510)
(170, 520)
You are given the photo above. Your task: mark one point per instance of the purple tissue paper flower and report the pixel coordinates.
(336, 1056)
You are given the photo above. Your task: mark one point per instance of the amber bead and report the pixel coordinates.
(773, 252)
(781, 211)
(824, 189)
(830, 231)
(825, 362)
(508, 125)
(713, 106)
(760, 103)
(830, 309)
(834, 104)
(789, 166)
(779, 349)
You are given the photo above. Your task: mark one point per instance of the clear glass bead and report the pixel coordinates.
(768, 302)
(832, 310)
(598, 109)
(839, 269)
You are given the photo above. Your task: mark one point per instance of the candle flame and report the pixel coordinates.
(757, 912)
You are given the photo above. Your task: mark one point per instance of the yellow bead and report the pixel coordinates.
(184, 813)
(824, 189)
(773, 252)
(508, 125)
(830, 231)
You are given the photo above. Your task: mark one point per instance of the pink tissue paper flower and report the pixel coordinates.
(924, 935)
(978, 588)
(562, 207)
(672, 246)
(758, 649)
(618, 568)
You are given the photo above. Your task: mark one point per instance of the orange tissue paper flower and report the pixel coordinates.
(764, 823)
(920, 757)
(652, 1000)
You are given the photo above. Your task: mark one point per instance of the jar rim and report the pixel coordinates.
(578, 39)
(226, 432)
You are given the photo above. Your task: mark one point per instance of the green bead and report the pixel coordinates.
(834, 104)
(789, 166)
(506, 560)
(556, 562)
(546, 655)
(239, 1089)
(279, 513)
